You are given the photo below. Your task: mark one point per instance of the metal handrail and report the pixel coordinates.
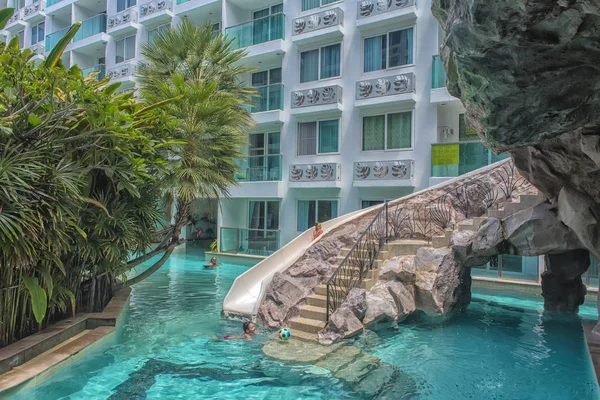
(418, 220)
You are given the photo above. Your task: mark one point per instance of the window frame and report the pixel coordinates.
(37, 33)
(387, 58)
(319, 64)
(21, 41)
(157, 28)
(412, 131)
(124, 39)
(265, 208)
(336, 199)
(128, 4)
(318, 122)
(321, 5)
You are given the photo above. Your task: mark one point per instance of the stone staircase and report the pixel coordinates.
(523, 202)
(313, 314)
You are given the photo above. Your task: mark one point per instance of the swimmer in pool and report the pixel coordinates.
(213, 263)
(249, 330)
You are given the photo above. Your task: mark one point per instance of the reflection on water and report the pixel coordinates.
(165, 350)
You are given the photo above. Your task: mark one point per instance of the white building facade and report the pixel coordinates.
(353, 108)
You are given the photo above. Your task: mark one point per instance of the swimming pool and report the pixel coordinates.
(165, 351)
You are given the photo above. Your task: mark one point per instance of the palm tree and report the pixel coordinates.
(202, 72)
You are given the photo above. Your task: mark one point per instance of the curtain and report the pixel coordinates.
(272, 215)
(260, 26)
(273, 143)
(256, 215)
(302, 218)
(375, 53)
(276, 26)
(120, 51)
(330, 61)
(401, 47)
(307, 138)
(373, 133)
(328, 136)
(309, 66)
(309, 4)
(399, 132)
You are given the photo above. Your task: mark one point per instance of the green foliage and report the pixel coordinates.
(5, 15)
(214, 246)
(78, 188)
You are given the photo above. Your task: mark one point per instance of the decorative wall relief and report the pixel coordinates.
(387, 86)
(382, 170)
(323, 19)
(315, 172)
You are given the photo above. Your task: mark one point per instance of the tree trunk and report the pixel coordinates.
(181, 219)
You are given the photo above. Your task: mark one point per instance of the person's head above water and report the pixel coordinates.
(213, 260)
(249, 327)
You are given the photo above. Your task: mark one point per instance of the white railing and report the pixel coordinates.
(121, 71)
(17, 16)
(326, 172)
(31, 9)
(383, 170)
(318, 96)
(320, 20)
(369, 8)
(38, 49)
(386, 86)
(155, 6)
(122, 18)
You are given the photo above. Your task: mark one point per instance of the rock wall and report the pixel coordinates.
(527, 73)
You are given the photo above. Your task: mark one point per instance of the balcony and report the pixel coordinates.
(54, 37)
(198, 7)
(122, 72)
(35, 12)
(260, 177)
(315, 175)
(383, 173)
(319, 28)
(156, 11)
(323, 102)
(123, 22)
(91, 32)
(377, 14)
(100, 68)
(263, 38)
(38, 50)
(390, 90)
(267, 108)
(439, 93)
(450, 160)
(16, 22)
(258, 242)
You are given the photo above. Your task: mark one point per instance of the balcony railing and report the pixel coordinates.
(100, 68)
(17, 15)
(54, 37)
(318, 96)
(121, 71)
(260, 168)
(369, 8)
(323, 19)
(328, 172)
(271, 98)
(387, 86)
(259, 242)
(383, 170)
(438, 73)
(91, 26)
(122, 18)
(455, 159)
(38, 49)
(52, 2)
(155, 6)
(34, 8)
(260, 30)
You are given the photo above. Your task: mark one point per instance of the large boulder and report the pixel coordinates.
(400, 268)
(281, 296)
(489, 239)
(404, 296)
(342, 324)
(562, 287)
(381, 306)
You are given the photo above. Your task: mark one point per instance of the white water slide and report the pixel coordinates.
(248, 289)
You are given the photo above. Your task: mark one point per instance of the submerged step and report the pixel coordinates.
(307, 325)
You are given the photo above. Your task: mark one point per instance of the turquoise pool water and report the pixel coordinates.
(497, 349)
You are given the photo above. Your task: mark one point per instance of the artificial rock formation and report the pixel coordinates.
(562, 287)
(432, 281)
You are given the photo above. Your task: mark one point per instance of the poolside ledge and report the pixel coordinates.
(35, 354)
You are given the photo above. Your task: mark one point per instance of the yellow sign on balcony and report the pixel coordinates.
(446, 154)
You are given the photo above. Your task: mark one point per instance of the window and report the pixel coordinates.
(318, 137)
(264, 29)
(321, 63)
(216, 29)
(390, 50)
(153, 33)
(464, 132)
(387, 132)
(310, 4)
(264, 163)
(312, 211)
(370, 203)
(37, 33)
(18, 4)
(21, 36)
(125, 4)
(125, 49)
(263, 215)
(270, 96)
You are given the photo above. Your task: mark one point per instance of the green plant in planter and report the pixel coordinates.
(214, 246)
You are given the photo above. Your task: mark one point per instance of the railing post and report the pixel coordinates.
(386, 222)
(237, 241)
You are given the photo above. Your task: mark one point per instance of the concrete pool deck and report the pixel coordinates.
(35, 354)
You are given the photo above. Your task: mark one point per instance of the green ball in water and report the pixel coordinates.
(284, 334)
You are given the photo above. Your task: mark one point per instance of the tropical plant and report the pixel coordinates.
(78, 192)
(202, 72)
(214, 246)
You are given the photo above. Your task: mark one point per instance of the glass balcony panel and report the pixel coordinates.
(91, 26)
(271, 98)
(54, 37)
(51, 2)
(259, 242)
(260, 30)
(455, 159)
(100, 68)
(260, 168)
(438, 78)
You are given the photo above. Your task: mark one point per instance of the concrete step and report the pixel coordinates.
(478, 221)
(466, 226)
(313, 312)
(317, 300)
(496, 214)
(306, 325)
(440, 241)
(512, 207)
(448, 233)
(404, 247)
(305, 336)
(351, 273)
